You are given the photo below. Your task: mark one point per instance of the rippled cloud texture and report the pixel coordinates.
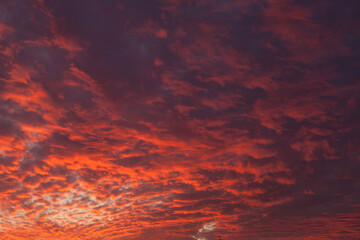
(179, 119)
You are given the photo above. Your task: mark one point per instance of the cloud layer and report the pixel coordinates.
(179, 119)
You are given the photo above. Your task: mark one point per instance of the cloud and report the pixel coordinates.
(208, 227)
(179, 119)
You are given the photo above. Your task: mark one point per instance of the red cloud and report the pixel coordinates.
(179, 119)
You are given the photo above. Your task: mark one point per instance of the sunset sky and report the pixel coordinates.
(179, 119)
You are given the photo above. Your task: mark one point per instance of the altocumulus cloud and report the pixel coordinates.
(179, 119)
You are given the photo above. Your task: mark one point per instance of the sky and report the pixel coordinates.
(179, 119)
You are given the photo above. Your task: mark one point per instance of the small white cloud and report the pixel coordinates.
(199, 238)
(208, 227)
